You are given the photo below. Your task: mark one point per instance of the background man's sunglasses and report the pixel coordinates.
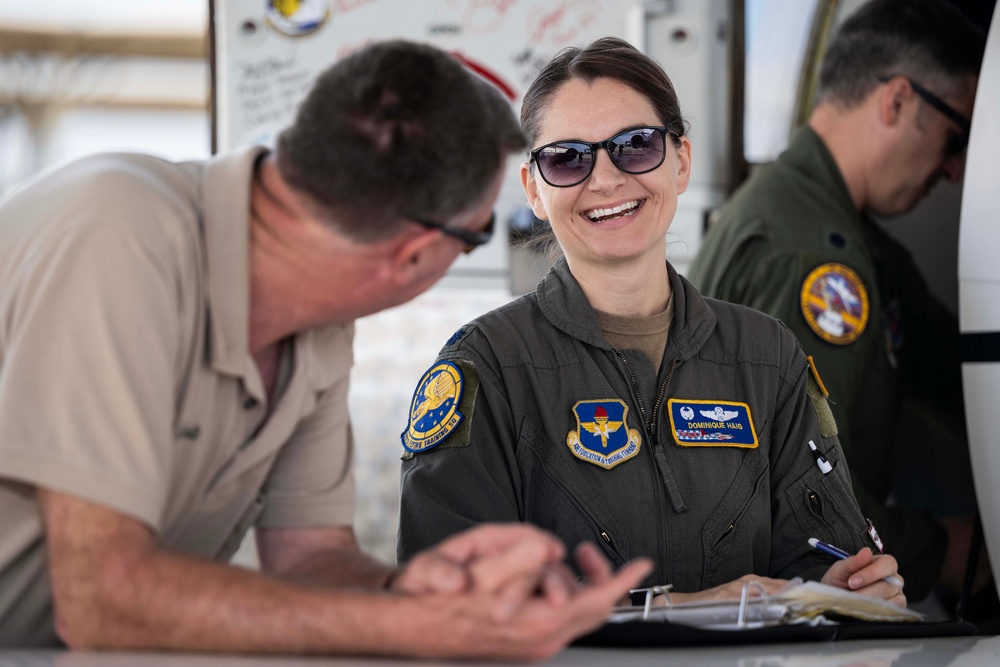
(563, 164)
(958, 142)
(471, 239)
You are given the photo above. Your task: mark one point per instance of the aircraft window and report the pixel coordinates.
(777, 36)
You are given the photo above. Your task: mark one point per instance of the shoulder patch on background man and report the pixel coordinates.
(699, 423)
(818, 395)
(442, 406)
(602, 435)
(834, 302)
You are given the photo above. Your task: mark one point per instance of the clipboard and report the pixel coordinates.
(783, 617)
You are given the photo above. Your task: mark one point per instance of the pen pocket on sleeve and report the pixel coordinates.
(822, 507)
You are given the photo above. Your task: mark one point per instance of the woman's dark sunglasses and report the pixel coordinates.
(563, 164)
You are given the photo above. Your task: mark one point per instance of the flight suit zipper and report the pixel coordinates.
(649, 424)
(815, 503)
(663, 392)
(649, 420)
(741, 514)
(636, 392)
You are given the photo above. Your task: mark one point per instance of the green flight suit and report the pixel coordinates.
(791, 231)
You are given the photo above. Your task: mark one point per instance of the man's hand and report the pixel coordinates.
(489, 557)
(519, 600)
(865, 573)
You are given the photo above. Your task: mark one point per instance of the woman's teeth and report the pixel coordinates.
(605, 214)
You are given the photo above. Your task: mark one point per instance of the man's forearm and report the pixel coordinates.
(114, 587)
(177, 602)
(340, 568)
(322, 556)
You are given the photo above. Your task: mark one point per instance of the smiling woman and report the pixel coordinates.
(616, 405)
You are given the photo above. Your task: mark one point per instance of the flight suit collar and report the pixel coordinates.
(808, 153)
(565, 306)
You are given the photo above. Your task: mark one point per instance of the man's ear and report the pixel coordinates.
(411, 259)
(530, 186)
(892, 100)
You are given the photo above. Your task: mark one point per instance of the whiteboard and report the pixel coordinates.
(266, 53)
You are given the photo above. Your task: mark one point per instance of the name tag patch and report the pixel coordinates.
(698, 423)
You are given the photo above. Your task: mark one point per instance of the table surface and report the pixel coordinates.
(955, 651)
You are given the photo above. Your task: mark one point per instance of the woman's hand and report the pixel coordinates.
(865, 573)
(733, 590)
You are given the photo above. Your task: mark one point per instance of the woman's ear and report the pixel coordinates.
(683, 164)
(530, 186)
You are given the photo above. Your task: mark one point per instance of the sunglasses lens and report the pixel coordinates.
(565, 163)
(956, 144)
(638, 151)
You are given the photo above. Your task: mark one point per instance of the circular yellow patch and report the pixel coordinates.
(835, 303)
(434, 409)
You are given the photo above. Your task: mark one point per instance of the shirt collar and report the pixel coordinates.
(227, 184)
(324, 355)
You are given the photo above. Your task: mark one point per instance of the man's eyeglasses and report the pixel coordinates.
(563, 164)
(956, 143)
(471, 239)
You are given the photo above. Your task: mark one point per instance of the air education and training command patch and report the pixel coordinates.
(602, 435)
(434, 410)
(834, 302)
(697, 423)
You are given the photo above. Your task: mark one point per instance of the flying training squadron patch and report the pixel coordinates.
(442, 406)
(602, 435)
(835, 303)
(699, 423)
(296, 18)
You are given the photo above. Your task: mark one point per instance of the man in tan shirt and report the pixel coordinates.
(175, 342)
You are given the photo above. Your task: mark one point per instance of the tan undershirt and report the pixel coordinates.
(646, 334)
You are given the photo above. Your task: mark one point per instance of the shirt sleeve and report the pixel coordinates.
(808, 500)
(90, 335)
(312, 482)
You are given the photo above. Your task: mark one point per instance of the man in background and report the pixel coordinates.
(175, 344)
(896, 93)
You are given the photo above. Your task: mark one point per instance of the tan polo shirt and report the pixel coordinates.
(125, 377)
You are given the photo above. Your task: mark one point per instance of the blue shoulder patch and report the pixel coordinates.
(434, 410)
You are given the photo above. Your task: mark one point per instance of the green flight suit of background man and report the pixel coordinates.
(896, 91)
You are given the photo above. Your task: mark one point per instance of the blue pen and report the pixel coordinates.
(840, 554)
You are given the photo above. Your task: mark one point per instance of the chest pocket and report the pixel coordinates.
(557, 498)
(736, 538)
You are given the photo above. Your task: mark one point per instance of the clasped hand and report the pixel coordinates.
(504, 590)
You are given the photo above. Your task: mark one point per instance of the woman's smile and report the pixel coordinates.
(613, 212)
